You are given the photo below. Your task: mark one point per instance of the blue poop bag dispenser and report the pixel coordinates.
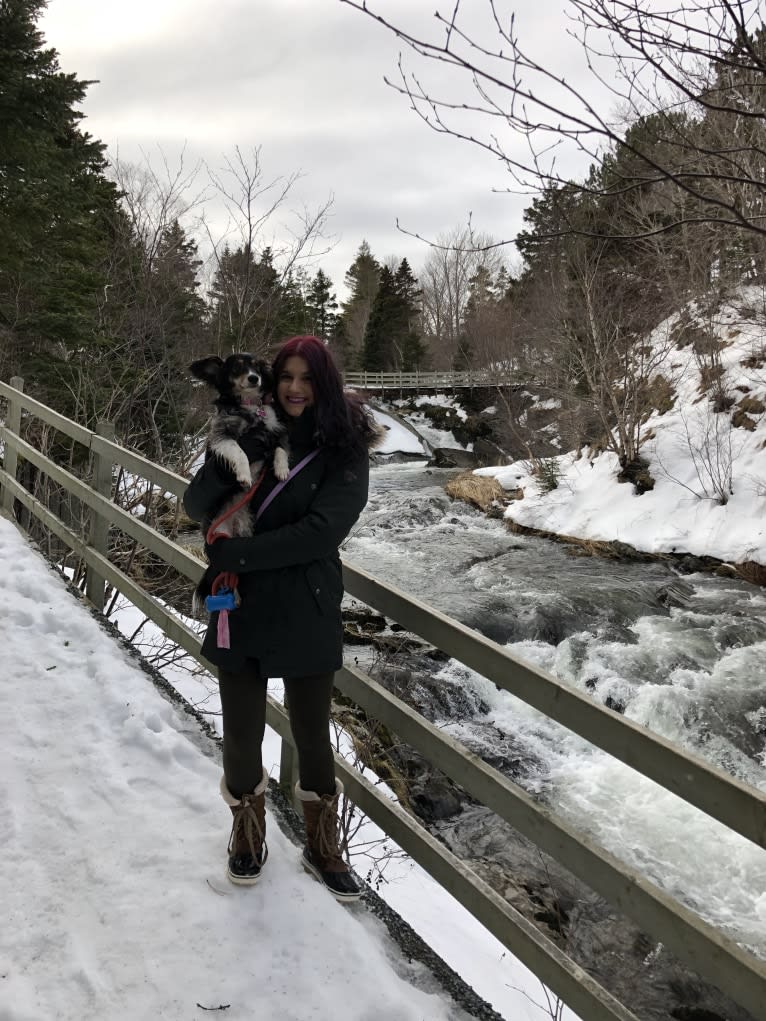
(224, 599)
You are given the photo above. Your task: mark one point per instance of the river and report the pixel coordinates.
(684, 656)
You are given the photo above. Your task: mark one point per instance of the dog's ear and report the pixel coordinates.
(207, 369)
(267, 376)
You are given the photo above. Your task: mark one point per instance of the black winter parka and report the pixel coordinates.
(289, 570)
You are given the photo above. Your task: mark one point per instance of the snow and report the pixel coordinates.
(690, 450)
(436, 438)
(443, 401)
(398, 438)
(113, 851)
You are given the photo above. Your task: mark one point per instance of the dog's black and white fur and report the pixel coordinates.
(242, 383)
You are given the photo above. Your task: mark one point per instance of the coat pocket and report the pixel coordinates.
(326, 588)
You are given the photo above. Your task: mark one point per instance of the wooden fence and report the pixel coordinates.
(709, 952)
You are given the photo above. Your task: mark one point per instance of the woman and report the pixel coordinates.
(288, 623)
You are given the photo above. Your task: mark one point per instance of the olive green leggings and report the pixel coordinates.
(243, 702)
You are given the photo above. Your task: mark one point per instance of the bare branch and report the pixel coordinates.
(696, 70)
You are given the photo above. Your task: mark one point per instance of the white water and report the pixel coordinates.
(696, 675)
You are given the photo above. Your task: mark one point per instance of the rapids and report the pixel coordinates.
(683, 655)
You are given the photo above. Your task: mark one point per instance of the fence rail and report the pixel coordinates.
(741, 808)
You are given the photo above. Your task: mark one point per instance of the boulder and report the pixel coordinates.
(489, 454)
(397, 457)
(451, 457)
(676, 594)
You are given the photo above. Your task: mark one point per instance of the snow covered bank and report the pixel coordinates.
(708, 465)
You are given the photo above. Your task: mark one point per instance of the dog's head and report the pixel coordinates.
(240, 378)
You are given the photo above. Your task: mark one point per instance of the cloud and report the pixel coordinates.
(303, 80)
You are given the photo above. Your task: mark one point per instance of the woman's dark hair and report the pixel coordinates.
(343, 424)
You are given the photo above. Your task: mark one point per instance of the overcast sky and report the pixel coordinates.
(303, 79)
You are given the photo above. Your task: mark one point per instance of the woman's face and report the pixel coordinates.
(294, 388)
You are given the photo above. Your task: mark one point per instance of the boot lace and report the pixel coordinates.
(328, 831)
(246, 821)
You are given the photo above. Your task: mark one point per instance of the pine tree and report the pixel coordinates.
(321, 304)
(56, 209)
(338, 341)
(407, 329)
(176, 313)
(362, 280)
(377, 348)
(292, 314)
(481, 302)
(246, 298)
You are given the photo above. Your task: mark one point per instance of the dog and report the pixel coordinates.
(243, 384)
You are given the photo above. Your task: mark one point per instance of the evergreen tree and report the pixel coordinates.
(56, 209)
(362, 280)
(338, 340)
(407, 329)
(321, 304)
(478, 309)
(292, 314)
(175, 270)
(393, 340)
(377, 352)
(246, 298)
(486, 323)
(174, 323)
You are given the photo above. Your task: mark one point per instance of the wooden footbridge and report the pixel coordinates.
(711, 953)
(447, 380)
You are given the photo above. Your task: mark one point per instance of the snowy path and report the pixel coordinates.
(112, 849)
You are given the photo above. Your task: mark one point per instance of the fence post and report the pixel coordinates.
(288, 768)
(98, 533)
(11, 458)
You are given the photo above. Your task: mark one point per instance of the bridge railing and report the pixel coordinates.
(708, 951)
(426, 380)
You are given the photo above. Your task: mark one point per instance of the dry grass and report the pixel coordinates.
(660, 396)
(584, 547)
(477, 490)
(749, 570)
(752, 406)
(752, 572)
(195, 551)
(709, 376)
(742, 421)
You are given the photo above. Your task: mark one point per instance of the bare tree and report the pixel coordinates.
(695, 68)
(597, 352)
(154, 198)
(445, 281)
(245, 298)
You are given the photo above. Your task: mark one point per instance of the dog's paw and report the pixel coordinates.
(281, 464)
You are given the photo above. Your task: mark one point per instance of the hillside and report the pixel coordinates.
(704, 448)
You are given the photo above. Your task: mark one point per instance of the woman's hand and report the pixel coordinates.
(226, 555)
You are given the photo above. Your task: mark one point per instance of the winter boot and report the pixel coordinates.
(247, 843)
(321, 855)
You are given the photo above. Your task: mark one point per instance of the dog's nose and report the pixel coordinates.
(253, 379)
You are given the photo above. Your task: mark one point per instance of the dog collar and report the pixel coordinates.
(254, 406)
